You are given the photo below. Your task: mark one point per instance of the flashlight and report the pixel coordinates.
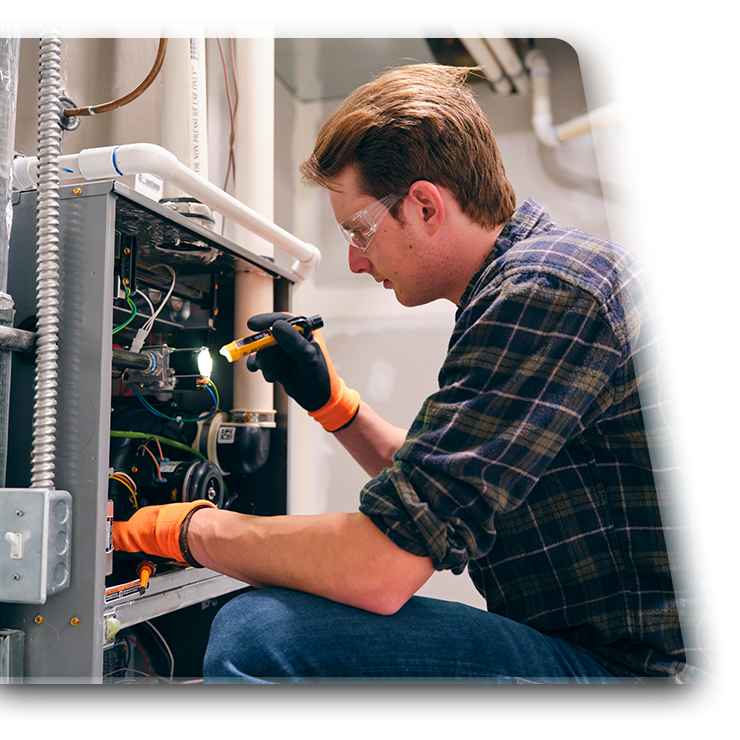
(246, 346)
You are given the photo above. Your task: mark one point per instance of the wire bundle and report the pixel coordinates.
(127, 482)
(206, 383)
(132, 306)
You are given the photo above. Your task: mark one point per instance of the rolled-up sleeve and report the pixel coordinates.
(531, 361)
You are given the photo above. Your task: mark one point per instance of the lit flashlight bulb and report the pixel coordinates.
(205, 363)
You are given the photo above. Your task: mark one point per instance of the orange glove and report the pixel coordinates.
(342, 406)
(159, 530)
(301, 364)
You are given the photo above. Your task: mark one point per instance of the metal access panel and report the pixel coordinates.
(110, 234)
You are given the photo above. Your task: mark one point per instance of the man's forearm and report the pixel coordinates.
(343, 557)
(371, 440)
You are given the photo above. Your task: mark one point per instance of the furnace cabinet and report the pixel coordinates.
(111, 237)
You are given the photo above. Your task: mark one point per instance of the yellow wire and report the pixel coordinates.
(119, 477)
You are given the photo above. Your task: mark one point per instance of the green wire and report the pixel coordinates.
(132, 306)
(215, 390)
(163, 440)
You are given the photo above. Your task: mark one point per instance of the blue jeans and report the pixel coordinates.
(281, 636)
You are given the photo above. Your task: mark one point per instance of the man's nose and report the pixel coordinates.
(358, 262)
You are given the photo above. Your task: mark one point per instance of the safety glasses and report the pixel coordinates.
(360, 228)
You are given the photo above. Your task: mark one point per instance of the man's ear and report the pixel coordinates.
(427, 202)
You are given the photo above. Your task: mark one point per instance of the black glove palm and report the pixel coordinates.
(297, 363)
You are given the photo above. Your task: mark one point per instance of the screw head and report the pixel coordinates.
(74, 621)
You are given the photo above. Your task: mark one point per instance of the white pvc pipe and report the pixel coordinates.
(548, 133)
(134, 159)
(478, 49)
(184, 120)
(510, 61)
(541, 111)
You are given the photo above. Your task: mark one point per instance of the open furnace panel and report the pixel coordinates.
(128, 435)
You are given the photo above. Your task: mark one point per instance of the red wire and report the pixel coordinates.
(231, 166)
(143, 655)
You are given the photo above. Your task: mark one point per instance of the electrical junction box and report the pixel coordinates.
(35, 536)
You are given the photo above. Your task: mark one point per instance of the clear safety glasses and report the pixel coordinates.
(359, 229)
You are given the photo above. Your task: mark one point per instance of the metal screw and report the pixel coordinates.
(74, 621)
(16, 577)
(38, 619)
(77, 191)
(19, 514)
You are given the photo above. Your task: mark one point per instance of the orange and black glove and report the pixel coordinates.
(160, 531)
(301, 364)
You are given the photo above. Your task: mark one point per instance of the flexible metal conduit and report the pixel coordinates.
(47, 263)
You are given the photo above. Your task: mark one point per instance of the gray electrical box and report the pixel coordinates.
(35, 535)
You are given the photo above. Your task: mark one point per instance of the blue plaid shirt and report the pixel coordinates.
(530, 466)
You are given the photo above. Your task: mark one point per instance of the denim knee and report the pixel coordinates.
(247, 636)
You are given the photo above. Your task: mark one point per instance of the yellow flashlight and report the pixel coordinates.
(246, 346)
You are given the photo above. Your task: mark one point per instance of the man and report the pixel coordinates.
(529, 466)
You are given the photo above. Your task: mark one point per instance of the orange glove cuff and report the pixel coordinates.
(340, 410)
(344, 402)
(156, 530)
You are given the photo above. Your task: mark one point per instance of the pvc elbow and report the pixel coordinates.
(129, 159)
(133, 159)
(544, 130)
(304, 270)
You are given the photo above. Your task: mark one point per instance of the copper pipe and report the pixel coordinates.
(106, 107)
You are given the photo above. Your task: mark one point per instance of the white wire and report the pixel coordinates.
(148, 325)
(167, 648)
(150, 322)
(146, 298)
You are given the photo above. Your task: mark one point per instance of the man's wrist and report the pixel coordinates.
(183, 537)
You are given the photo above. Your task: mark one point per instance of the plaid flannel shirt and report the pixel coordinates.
(530, 466)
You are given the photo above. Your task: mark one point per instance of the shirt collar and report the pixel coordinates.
(528, 219)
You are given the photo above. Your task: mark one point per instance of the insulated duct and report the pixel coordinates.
(253, 184)
(9, 51)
